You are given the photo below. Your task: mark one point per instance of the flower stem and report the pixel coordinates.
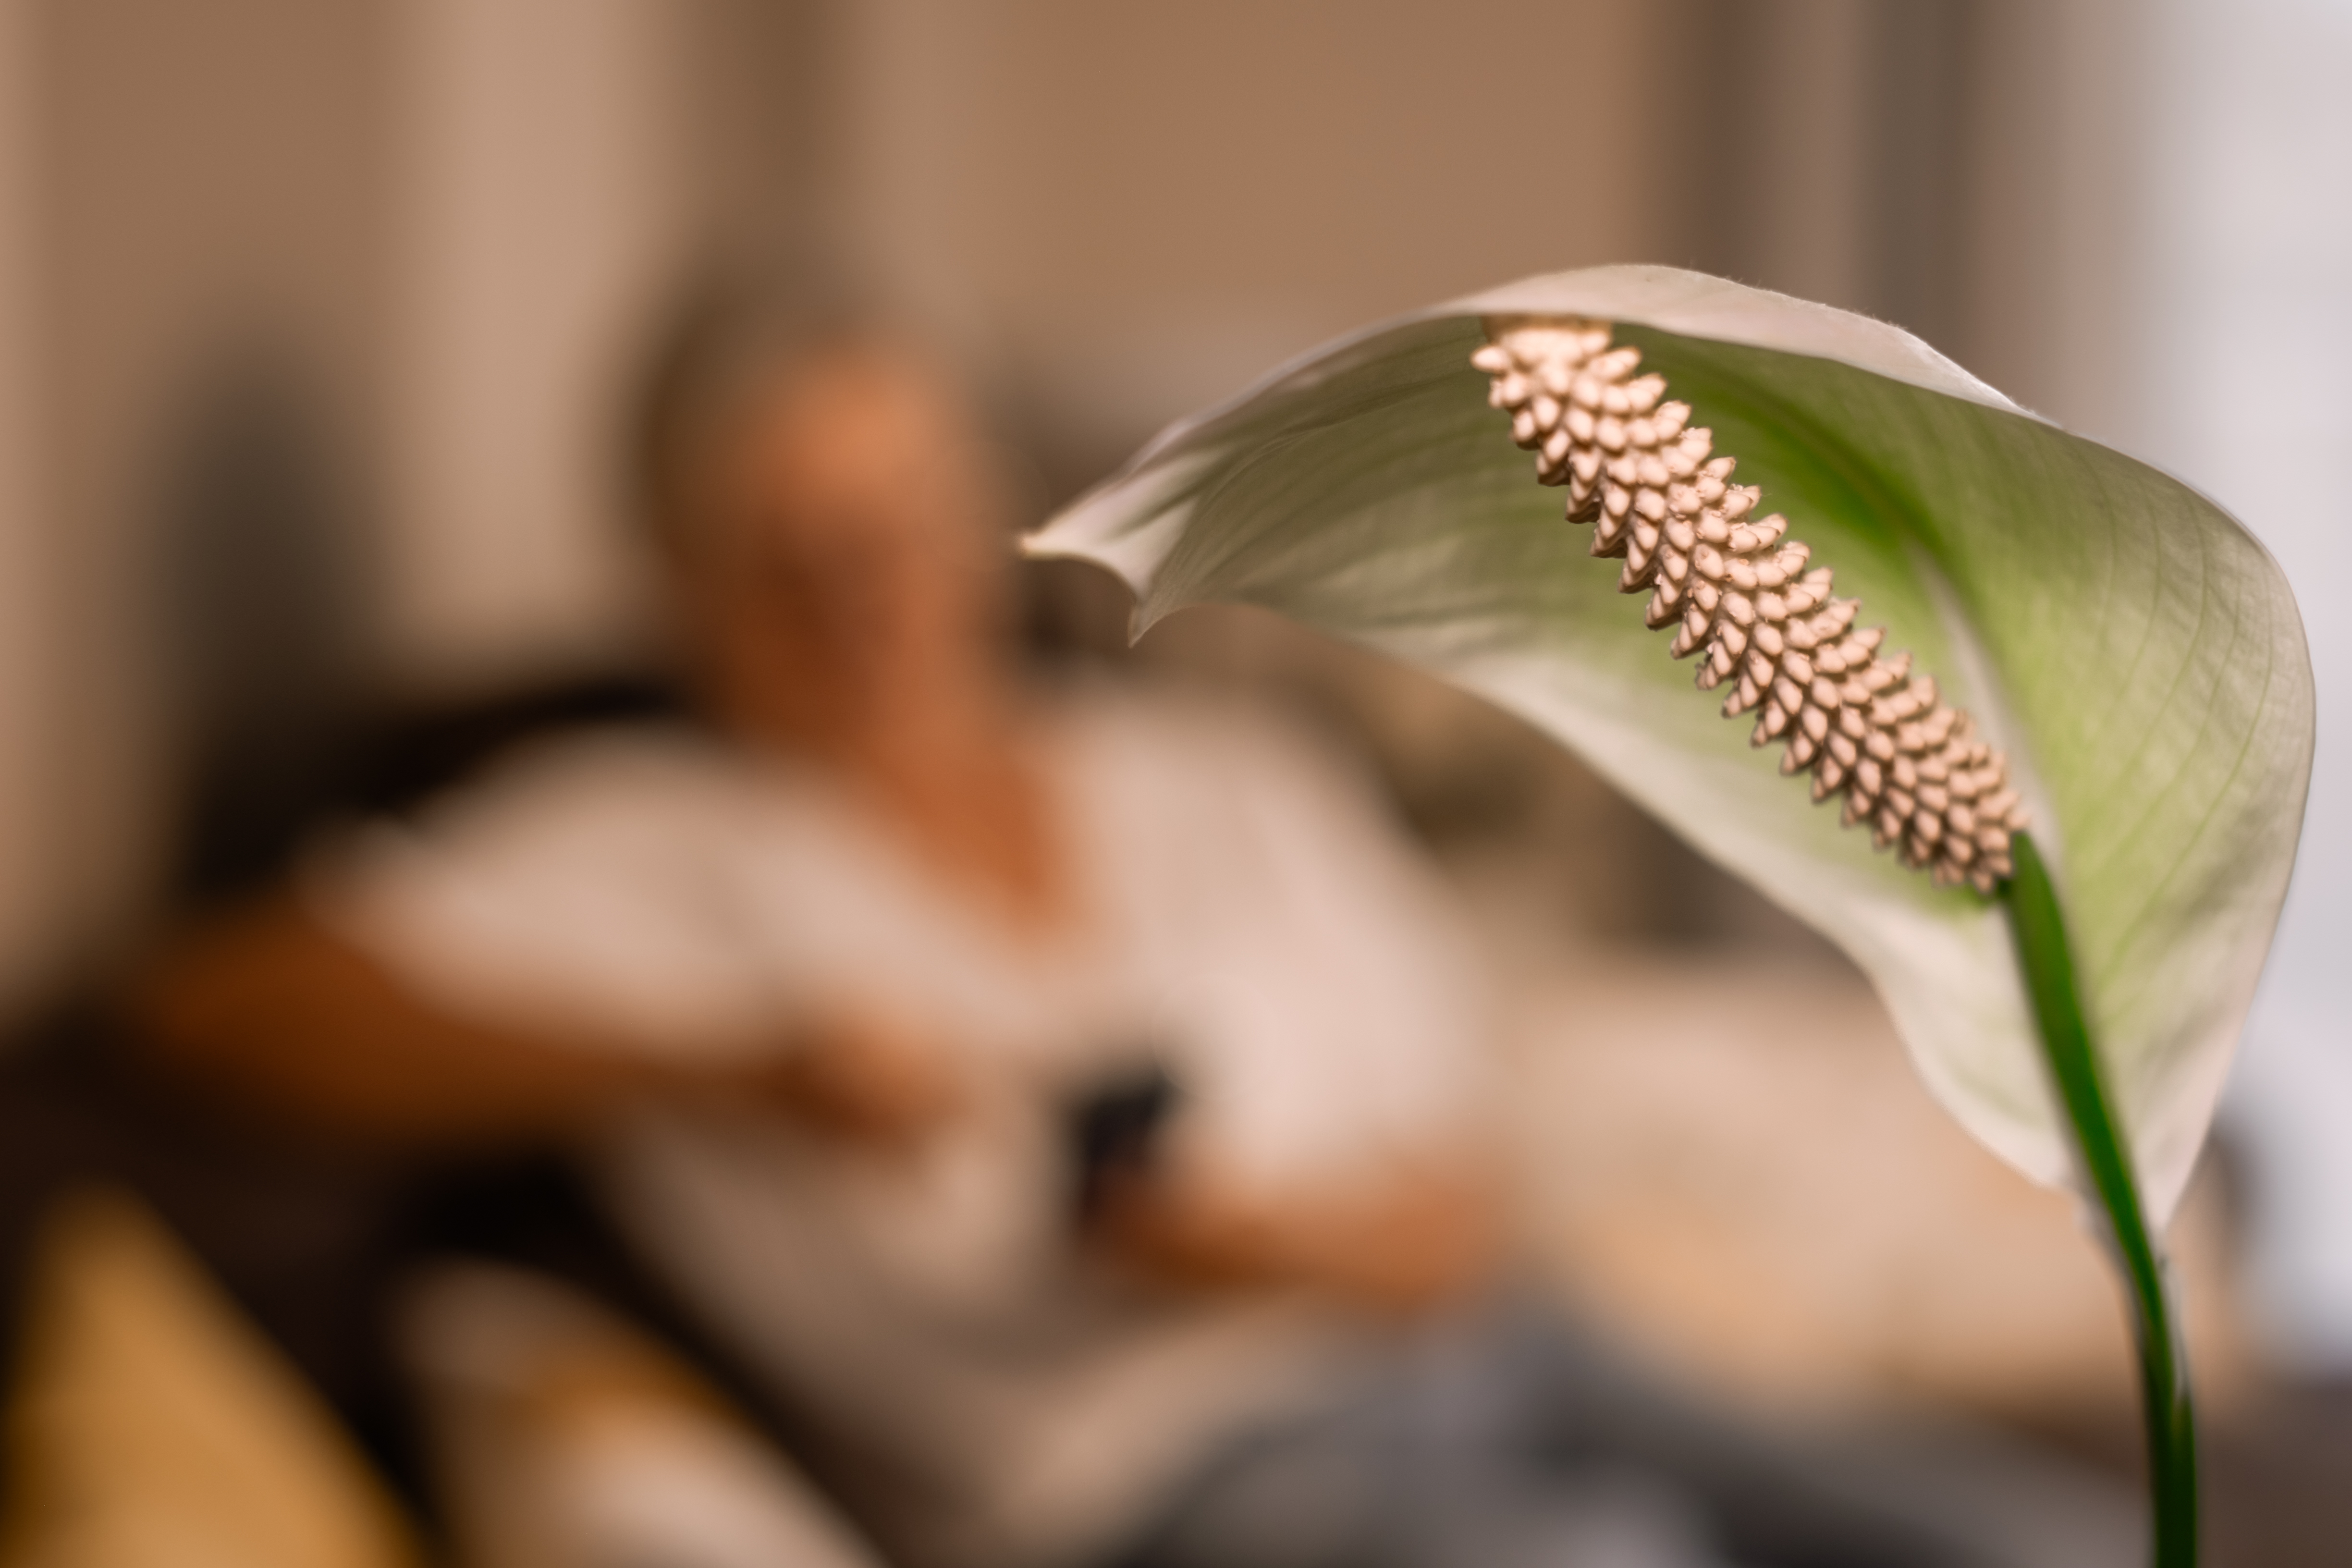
(2040, 930)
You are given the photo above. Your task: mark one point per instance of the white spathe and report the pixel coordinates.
(2133, 649)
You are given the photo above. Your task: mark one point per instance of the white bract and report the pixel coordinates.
(2130, 648)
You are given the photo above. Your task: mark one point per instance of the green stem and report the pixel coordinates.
(2041, 934)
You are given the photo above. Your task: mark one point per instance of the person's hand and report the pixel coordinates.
(864, 1079)
(1403, 1242)
(1408, 1244)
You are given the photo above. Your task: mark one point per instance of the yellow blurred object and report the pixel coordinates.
(151, 1427)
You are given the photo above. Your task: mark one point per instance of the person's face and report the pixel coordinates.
(838, 570)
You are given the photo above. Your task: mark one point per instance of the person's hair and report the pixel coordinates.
(731, 334)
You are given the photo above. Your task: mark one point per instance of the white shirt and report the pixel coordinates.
(1252, 927)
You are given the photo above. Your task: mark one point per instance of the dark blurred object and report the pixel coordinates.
(282, 723)
(408, 753)
(260, 803)
(262, 621)
(1115, 1131)
(2275, 1477)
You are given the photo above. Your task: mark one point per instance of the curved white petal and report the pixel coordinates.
(2131, 647)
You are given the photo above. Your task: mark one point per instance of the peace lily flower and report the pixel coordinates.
(1957, 620)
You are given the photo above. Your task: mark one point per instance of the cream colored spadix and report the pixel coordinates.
(2132, 652)
(1870, 730)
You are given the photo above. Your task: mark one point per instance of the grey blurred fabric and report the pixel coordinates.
(1517, 1441)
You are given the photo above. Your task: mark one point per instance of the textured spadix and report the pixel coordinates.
(2129, 648)
(1744, 596)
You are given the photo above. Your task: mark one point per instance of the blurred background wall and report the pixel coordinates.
(195, 201)
(27, 680)
(375, 272)
(2249, 319)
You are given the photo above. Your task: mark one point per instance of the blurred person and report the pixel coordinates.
(958, 1034)
(1065, 1100)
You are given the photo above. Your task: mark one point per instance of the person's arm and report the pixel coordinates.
(1407, 1241)
(271, 1006)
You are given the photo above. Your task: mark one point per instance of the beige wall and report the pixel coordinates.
(202, 179)
(29, 795)
(441, 224)
(452, 218)
(1139, 208)
(2058, 306)
(539, 215)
